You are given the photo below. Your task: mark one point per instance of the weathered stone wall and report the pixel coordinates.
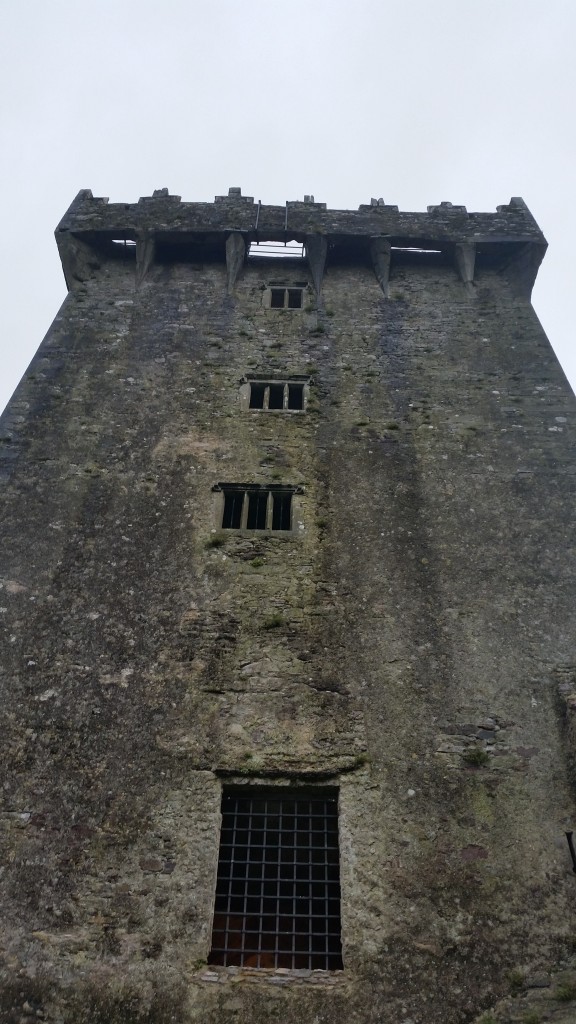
(404, 641)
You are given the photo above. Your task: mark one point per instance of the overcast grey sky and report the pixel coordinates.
(417, 101)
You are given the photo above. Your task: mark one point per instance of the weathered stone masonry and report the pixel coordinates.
(409, 640)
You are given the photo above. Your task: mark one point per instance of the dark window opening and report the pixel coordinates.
(278, 888)
(257, 392)
(294, 298)
(257, 505)
(276, 395)
(295, 396)
(249, 507)
(281, 511)
(276, 399)
(286, 298)
(232, 518)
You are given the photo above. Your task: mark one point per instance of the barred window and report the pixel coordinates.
(276, 394)
(256, 507)
(278, 889)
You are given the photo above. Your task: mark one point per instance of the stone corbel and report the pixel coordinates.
(145, 251)
(465, 256)
(235, 256)
(381, 252)
(316, 251)
(79, 261)
(522, 269)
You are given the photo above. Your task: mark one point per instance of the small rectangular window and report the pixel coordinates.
(278, 888)
(286, 298)
(248, 507)
(277, 395)
(294, 298)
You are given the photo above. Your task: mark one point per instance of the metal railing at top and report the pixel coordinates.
(278, 250)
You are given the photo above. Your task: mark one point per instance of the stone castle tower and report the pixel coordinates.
(288, 608)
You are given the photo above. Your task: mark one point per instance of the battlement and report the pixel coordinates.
(507, 235)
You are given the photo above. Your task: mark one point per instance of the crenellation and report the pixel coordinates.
(234, 196)
(511, 221)
(161, 193)
(447, 208)
(296, 204)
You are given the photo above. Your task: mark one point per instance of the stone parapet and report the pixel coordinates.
(89, 215)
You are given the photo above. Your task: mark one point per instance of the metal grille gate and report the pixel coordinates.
(278, 889)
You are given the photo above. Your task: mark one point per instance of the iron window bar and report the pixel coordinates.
(278, 887)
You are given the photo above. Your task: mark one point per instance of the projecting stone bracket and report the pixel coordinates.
(235, 256)
(145, 250)
(316, 251)
(523, 268)
(381, 252)
(465, 257)
(79, 261)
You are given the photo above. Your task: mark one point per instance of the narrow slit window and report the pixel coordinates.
(257, 393)
(232, 518)
(257, 506)
(281, 511)
(276, 399)
(295, 396)
(278, 888)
